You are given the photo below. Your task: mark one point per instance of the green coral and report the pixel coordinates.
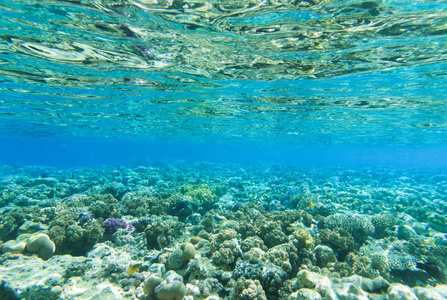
(301, 201)
(225, 255)
(324, 256)
(284, 256)
(272, 234)
(438, 222)
(163, 233)
(208, 223)
(380, 263)
(7, 195)
(101, 206)
(8, 226)
(252, 242)
(12, 219)
(57, 235)
(71, 238)
(135, 204)
(201, 194)
(224, 248)
(181, 207)
(196, 191)
(339, 240)
(304, 238)
(287, 218)
(39, 192)
(221, 190)
(419, 213)
(104, 206)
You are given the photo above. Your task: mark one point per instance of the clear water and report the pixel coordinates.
(307, 82)
(297, 122)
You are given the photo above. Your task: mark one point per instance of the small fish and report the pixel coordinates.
(434, 270)
(133, 268)
(311, 204)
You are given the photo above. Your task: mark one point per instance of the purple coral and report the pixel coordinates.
(111, 225)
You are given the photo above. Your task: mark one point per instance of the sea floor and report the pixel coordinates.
(173, 230)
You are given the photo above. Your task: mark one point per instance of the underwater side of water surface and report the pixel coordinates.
(306, 82)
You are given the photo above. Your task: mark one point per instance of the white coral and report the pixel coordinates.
(347, 291)
(398, 291)
(311, 280)
(305, 294)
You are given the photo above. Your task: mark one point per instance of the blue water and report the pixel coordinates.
(313, 133)
(337, 83)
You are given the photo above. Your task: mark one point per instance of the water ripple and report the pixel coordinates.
(261, 40)
(226, 68)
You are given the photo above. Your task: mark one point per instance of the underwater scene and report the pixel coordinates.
(234, 149)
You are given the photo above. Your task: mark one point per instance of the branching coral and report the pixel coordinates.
(360, 227)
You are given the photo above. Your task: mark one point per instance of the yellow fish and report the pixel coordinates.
(133, 268)
(311, 204)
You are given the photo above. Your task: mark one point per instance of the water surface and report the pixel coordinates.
(286, 73)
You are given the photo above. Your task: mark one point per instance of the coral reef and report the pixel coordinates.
(247, 289)
(210, 231)
(272, 234)
(201, 194)
(341, 242)
(382, 223)
(360, 227)
(438, 222)
(163, 233)
(71, 238)
(225, 248)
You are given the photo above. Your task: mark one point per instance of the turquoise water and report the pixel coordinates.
(252, 149)
(128, 80)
